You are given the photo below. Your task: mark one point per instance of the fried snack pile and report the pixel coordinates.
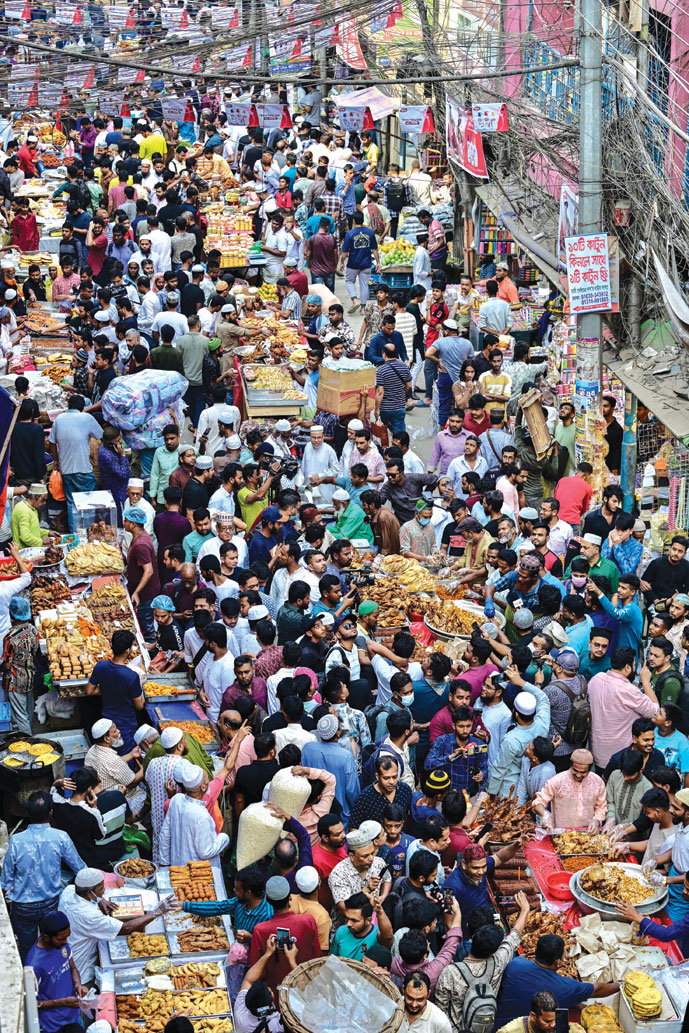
(196, 974)
(99, 531)
(109, 605)
(644, 995)
(135, 868)
(161, 1004)
(408, 573)
(200, 732)
(612, 884)
(392, 600)
(540, 923)
(143, 945)
(509, 821)
(152, 689)
(191, 941)
(47, 592)
(573, 842)
(193, 881)
(75, 644)
(94, 558)
(223, 1025)
(451, 619)
(600, 1018)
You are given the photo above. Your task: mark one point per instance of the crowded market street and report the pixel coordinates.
(344, 502)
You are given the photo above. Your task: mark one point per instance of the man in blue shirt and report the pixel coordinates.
(387, 335)
(59, 982)
(523, 978)
(461, 754)
(31, 874)
(627, 612)
(314, 221)
(327, 755)
(358, 249)
(469, 880)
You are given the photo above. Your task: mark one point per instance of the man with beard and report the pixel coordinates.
(462, 755)
(576, 797)
(113, 769)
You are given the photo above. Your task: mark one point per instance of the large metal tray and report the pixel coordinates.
(649, 907)
(179, 680)
(474, 610)
(129, 979)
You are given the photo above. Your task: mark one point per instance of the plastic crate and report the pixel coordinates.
(5, 717)
(398, 280)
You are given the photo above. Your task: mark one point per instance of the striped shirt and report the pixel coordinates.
(392, 377)
(240, 914)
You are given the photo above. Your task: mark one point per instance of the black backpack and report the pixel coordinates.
(578, 725)
(394, 195)
(683, 700)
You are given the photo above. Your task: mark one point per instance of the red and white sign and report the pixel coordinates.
(17, 9)
(22, 95)
(464, 143)
(68, 14)
(188, 63)
(349, 47)
(171, 17)
(355, 119)
(111, 103)
(588, 273)
(49, 95)
(120, 17)
(178, 109)
(416, 118)
(81, 77)
(224, 17)
(489, 118)
(273, 116)
(238, 114)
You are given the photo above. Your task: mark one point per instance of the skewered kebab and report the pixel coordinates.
(509, 820)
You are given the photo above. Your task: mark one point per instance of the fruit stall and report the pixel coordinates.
(396, 259)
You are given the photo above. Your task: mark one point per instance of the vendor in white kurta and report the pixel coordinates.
(209, 436)
(87, 923)
(188, 832)
(320, 467)
(219, 674)
(275, 246)
(224, 532)
(135, 497)
(345, 459)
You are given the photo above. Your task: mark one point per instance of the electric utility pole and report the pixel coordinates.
(590, 160)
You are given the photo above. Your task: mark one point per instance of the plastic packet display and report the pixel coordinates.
(340, 998)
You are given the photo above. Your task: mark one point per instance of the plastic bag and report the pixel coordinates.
(259, 831)
(290, 792)
(56, 487)
(131, 402)
(340, 998)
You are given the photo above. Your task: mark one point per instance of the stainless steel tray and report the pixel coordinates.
(649, 907)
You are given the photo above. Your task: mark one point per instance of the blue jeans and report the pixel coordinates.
(196, 401)
(445, 398)
(72, 482)
(144, 613)
(24, 918)
(394, 421)
(328, 280)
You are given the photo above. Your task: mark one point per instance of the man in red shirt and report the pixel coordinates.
(302, 927)
(477, 420)
(298, 281)
(574, 495)
(328, 852)
(26, 156)
(24, 227)
(142, 570)
(460, 696)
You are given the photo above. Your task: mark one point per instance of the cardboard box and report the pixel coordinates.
(339, 391)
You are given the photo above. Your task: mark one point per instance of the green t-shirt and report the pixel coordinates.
(671, 686)
(346, 945)
(250, 510)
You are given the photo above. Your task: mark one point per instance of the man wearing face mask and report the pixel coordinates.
(417, 536)
(113, 769)
(88, 924)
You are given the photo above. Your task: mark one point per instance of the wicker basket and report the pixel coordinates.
(304, 973)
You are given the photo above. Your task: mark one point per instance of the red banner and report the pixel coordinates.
(464, 143)
(416, 118)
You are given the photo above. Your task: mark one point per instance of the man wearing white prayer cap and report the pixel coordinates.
(158, 774)
(532, 718)
(350, 518)
(135, 497)
(188, 832)
(144, 737)
(320, 467)
(113, 769)
(352, 427)
(209, 433)
(361, 866)
(88, 924)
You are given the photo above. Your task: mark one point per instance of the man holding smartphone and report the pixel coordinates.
(289, 928)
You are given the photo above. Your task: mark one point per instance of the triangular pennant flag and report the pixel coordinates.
(131, 20)
(253, 117)
(196, 67)
(286, 121)
(125, 110)
(246, 63)
(90, 79)
(296, 50)
(428, 123)
(336, 41)
(368, 120)
(184, 20)
(290, 16)
(76, 20)
(33, 98)
(189, 113)
(140, 75)
(26, 13)
(62, 107)
(234, 20)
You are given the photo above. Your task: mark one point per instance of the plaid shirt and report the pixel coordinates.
(334, 208)
(460, 770)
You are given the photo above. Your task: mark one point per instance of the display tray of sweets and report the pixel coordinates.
(159, 1003)
(184, 975)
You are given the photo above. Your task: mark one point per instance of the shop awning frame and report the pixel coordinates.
(506, 201)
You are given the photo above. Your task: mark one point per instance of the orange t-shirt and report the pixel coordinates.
(507, 291)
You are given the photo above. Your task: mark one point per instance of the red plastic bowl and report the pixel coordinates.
(558, 885)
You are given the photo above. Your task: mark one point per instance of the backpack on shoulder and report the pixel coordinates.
(578, 727)
(480, 1004)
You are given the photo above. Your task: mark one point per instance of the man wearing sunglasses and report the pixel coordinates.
(345, 653)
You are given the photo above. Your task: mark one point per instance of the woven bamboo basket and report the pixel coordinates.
(304, 973)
